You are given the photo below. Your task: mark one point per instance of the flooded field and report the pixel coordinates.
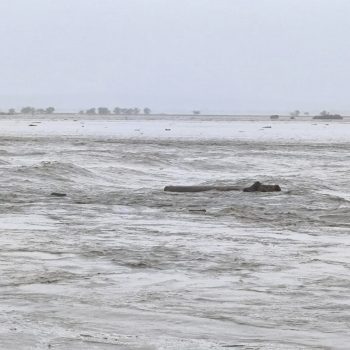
(120, 264)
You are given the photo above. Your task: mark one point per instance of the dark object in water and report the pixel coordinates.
(56, 194)
(256, 187)
(200, 188)
(275, 117)
(259, 187)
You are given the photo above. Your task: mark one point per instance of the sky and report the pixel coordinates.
(217, 56)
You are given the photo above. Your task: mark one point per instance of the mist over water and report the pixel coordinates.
(219, 56)
(121, 264)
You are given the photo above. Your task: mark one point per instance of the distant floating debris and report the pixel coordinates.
(57, 194)
(197, 210)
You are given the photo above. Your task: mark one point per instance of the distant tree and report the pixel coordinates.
(324, 113)
(81, 112)
(117, 110)
(129, 111)
(147, 111)
(296, 113)
(28, 110)
(196, 112)
(91, 111)
(103, 110)
(306, 113)
(50, 110)
(12, 111)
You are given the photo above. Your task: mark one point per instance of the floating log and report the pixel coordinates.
(201, 188)
(256, 187)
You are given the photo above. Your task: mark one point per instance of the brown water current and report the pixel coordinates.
(120, 264)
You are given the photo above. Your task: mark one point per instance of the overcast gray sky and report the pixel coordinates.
(176, 55)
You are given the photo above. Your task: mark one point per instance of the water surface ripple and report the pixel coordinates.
(120, 264)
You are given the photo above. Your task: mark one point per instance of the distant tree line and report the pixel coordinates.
(116, 111)
(322, 115)
(90, 111)
(32, 110)
(326, 115)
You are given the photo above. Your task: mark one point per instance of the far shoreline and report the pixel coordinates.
(162, 115)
